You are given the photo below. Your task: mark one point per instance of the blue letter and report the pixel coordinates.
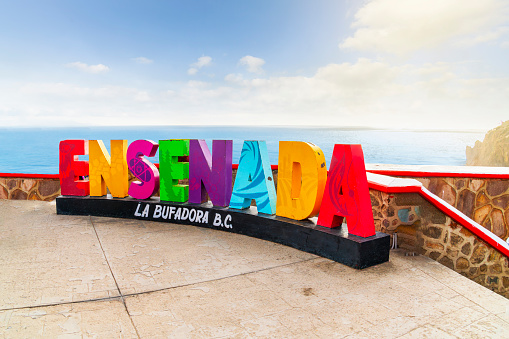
(254, 179)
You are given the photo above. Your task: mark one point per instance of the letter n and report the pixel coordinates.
(346, 193)
(71, 169)
(106, 171)
(210, 174)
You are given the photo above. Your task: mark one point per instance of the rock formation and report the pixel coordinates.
(493, 151)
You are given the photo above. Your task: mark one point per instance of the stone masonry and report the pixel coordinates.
(486, 201)
(422, 228)
(29, 189)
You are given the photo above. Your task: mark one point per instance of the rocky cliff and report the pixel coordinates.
(493, 151)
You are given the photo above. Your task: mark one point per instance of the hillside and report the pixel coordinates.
(493, 151)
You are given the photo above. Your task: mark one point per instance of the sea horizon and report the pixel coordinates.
(21, 146)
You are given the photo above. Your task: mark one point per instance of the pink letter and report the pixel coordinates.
(142, 169)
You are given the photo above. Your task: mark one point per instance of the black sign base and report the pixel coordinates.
(335, 244)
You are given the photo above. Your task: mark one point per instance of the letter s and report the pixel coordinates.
(142, 169)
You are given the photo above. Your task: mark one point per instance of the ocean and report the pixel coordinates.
(35, 150)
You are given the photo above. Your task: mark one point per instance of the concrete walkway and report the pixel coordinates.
(84, 277)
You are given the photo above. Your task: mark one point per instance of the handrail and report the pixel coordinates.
(434, 171)
(397, 185)
(416, 171)
(29, 176)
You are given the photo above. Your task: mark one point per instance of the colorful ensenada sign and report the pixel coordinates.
(305, 189)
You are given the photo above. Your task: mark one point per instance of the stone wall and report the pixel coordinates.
(29, 189)
(423, 229)
(486, 201)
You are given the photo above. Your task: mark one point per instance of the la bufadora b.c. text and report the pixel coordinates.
(173, 213)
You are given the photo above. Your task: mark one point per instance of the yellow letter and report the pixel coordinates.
(301, 179)
(105, 171)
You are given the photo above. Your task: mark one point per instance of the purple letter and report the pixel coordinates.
(210, 174)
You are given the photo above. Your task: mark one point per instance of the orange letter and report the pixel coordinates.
(301, 179)
(106, 171)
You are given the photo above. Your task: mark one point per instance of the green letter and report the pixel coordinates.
(171, 170)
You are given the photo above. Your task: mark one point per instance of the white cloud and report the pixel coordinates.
(202, 62)
(492, 35)
(100, 68)
(364, 74)
(253, 64)
(143, 60)
(362, 93)
(234, 78)
(63, 104)
(142, 96)
(197, 84)
(402, 27)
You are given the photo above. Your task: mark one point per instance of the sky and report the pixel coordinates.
(413, 64)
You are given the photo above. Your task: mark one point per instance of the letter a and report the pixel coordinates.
(254, 179)
(347, 193)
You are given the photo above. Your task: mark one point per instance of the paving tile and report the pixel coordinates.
(458, 319)
(489, 300)
(191, 282)
(393, 328)
(487, 327)
(504, 315)
(427, 331)
(148, 256)
(300, 300)
(47, 258)
(104, 319)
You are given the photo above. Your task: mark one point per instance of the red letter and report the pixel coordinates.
(71, 169)
(347, 193)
